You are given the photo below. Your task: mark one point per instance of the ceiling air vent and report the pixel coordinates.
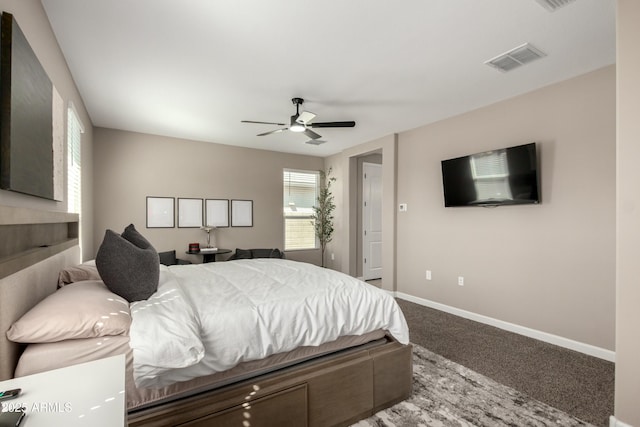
(553, 5)
(316, 142)
(515, 57)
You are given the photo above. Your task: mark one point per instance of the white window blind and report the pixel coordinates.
(74, 164)
(300, 195)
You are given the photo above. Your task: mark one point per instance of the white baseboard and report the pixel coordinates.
(522, 330)
(613, 422)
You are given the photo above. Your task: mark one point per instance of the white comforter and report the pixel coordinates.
(207, 318)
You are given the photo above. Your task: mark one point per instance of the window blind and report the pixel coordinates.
(74, 161)
(300, 191)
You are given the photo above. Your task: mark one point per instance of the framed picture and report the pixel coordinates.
(216, 212)
(189, 213)
(242, 213)
(160, 212)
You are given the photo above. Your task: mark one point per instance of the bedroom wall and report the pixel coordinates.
(33, 21)
(131, 166)
(549, 267)
(628, 220)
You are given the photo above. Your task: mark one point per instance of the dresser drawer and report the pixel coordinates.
(284, 408)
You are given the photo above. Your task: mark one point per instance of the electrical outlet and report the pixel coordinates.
(428, 275)
(402, 207)
(460, 280)
(333, 256)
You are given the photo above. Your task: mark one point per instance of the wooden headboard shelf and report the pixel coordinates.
(28, 236)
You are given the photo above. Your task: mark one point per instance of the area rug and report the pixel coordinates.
(448, 394)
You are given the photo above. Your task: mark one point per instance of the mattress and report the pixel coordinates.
(46, 356)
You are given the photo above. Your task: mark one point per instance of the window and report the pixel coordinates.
(74, 175)
(300, 195)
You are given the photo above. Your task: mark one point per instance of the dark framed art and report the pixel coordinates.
(26, 117)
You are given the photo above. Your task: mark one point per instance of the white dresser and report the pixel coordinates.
(89, 395)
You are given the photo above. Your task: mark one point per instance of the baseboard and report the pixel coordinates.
(522, 330)
(613, 422)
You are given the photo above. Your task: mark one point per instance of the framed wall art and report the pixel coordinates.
(242, 213)
(189, 213)
(160, 212)
(216, 212)
(29, 103)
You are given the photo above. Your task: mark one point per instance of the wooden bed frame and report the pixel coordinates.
(332, 390)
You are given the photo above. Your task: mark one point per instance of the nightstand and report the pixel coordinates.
(88, 394)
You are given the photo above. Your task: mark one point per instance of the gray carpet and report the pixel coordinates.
(448, 394)
(580, 385)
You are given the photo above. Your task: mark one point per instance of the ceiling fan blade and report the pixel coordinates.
(311, 134)
(263, 123)
(348, 124)
(305, 117)
(272, 131)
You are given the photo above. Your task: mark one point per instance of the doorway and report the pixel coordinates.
(371, 221)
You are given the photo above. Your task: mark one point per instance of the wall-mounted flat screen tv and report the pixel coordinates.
(507, 176)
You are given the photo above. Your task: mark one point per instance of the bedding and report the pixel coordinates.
(84, 309)
(208, 318)
(42, 357)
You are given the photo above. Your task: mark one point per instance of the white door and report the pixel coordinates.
(371, 221)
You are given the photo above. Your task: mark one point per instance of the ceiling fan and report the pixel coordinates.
(301, 122)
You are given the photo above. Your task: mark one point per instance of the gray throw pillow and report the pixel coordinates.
(128, 264)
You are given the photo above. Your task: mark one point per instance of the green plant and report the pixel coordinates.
(323, 211)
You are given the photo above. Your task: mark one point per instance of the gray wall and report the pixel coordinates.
(628, 219)
(550, 267)
(33, 21)
(131, 166)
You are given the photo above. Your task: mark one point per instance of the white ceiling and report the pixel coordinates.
(194, 69)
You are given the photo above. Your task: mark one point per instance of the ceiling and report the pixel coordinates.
(194, 69)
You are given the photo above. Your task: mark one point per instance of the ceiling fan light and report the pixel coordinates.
(297, 127)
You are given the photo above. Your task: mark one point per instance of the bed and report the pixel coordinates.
(336, 382)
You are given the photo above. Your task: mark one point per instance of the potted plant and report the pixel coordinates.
(323, 212)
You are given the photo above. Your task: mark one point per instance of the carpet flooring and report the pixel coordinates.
(448, 394)
(580, 385)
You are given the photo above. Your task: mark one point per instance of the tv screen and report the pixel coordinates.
(507, 176)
